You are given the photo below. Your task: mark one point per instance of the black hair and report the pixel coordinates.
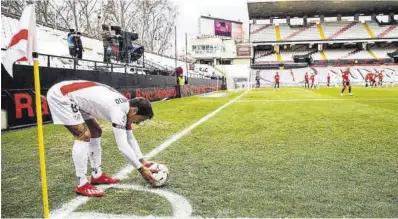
(143, 105)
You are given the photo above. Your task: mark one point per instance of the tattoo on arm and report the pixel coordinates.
(77, 130)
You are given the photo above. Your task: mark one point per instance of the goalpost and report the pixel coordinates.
(238, 78)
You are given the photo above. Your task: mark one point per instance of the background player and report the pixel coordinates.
(380, 77)
(316, 81)
(306, 81)
(312, 78)
(328, 79)
(346, 81)
(276, 79)
(368, 79)
(74, 104)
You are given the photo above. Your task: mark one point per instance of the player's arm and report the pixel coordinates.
(124, 147)
(136, 148)
(119, 121)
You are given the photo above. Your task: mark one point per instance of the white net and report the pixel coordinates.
(238, 78)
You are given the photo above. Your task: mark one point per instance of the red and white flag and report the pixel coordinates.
(24, 42)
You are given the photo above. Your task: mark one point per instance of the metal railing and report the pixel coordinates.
(97, 65)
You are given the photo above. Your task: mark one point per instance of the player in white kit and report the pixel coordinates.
(76, 104)
(316, 81)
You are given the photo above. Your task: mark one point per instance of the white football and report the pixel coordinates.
(162, 176)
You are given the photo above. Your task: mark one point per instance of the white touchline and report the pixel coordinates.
(323, 99)
(69, 207)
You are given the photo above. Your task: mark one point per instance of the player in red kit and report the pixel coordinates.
(306, 81)
(346, 81)
(328, 79)
(276, 78)
(312, 78)
(368, 79)
(381, 78)
(373, 80)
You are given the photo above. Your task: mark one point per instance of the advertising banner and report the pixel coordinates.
(222, 28)
(243, 50)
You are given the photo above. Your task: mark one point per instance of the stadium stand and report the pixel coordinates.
(296, 77)
(332, 30)
(302, 33)
(381, 51)
(262, 32)
(322, 37)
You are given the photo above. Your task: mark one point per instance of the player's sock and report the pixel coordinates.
(342, 91)
(349, 89)
(95, 157)
(79, 155)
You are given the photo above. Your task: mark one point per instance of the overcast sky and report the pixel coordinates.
(191, 10)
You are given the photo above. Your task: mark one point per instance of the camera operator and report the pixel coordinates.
(72, 42)
(79, 44)
(106, 40)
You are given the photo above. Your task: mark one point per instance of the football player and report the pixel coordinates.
(346, 81)
(76, 104)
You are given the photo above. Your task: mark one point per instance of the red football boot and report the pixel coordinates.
(104, 179)
(89, 190)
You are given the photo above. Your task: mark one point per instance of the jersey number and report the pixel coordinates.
(75, 108)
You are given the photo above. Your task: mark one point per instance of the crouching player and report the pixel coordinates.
(76, 104)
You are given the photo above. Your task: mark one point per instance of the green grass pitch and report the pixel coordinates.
(286, 153)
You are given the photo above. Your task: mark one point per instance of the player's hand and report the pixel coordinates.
(147, 175)
(146, 163)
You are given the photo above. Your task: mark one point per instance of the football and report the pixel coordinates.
(162, 176)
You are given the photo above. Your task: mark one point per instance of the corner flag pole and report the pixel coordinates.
(40, 134)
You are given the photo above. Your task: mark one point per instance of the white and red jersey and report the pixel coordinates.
(74, 102)
(98, 100)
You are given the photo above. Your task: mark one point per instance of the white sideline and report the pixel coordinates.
(71, 206)
(310, 100)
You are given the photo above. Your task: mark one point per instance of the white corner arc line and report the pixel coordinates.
(72, 205)
(181, 206)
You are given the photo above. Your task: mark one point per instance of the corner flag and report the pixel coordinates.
(23, 48)
(24, 41)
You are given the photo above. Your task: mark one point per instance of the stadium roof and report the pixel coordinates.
(222, 19)
(265, 9)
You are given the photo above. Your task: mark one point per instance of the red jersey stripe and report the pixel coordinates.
(76, 86)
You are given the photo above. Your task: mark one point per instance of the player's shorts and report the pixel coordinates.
(63, 110)
(346, 83)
